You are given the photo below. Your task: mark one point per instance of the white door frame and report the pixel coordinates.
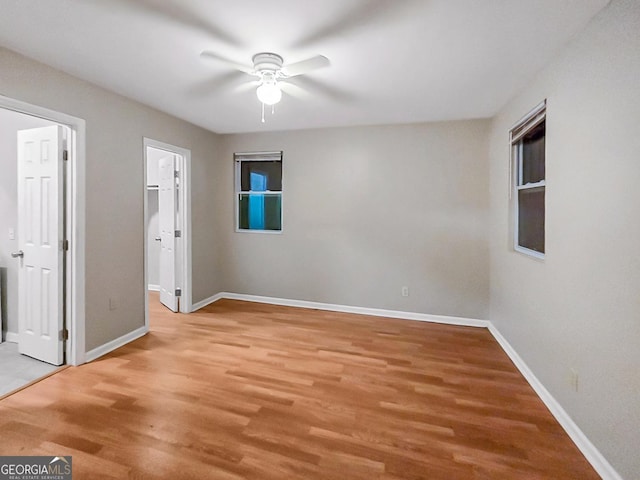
(75, 211)
(183, 250)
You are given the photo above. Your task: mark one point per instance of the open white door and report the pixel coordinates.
(40, 237)
(167, 224)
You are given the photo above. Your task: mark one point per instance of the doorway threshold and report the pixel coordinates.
(21, 371)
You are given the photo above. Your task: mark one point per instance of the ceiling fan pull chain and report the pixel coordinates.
(263, 113)
(273, 109)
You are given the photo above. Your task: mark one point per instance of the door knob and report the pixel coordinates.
(158, 239)
(18, 254)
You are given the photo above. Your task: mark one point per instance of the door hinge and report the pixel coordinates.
(176, 174)
(178, 233)
(64, 335)
(65, 155)
(65, 245)
(178, 292)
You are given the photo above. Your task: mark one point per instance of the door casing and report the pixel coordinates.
(75, 223)
(183, 249)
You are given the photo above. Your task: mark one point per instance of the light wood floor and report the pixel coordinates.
(242, 390)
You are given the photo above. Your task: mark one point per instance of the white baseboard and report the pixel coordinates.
(12, 337)
(588, 449)
(117, 343)
(153, 288)
(206, 301)
(377, 312)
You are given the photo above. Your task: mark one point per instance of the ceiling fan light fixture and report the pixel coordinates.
(269, 93)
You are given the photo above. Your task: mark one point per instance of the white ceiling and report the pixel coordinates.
(392, 61)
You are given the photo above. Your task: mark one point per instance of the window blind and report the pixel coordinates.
(258, 156)
(527, 122)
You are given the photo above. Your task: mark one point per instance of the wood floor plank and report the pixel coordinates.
(243, 390)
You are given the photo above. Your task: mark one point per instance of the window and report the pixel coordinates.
(528, 160)
(259, 191)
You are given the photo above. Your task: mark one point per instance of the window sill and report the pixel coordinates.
(529, 253)
(267, 232)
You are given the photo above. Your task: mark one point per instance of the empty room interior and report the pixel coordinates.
(339, 239)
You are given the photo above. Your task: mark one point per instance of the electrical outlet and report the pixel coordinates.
(405, 291)
(573, 379)
(112, 304)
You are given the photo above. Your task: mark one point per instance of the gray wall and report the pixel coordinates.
(10, 123)
(579, 308)
(115, 188)
(366, 211)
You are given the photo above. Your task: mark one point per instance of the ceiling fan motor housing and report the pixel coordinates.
(267, 63)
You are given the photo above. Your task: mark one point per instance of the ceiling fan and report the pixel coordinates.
(272, 73)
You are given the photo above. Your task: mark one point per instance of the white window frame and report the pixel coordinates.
(521, 128)
(238, 158)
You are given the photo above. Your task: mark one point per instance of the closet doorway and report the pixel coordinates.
(167, 225)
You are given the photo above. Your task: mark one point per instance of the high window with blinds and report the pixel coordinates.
(258, 191)
(528, 160)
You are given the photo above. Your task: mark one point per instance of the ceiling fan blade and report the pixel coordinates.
(366, 13)
(238, 66)
(305, 66)
(216, 84)
(330, 91)
(176, 13)
(247, 86)
(293, 90)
